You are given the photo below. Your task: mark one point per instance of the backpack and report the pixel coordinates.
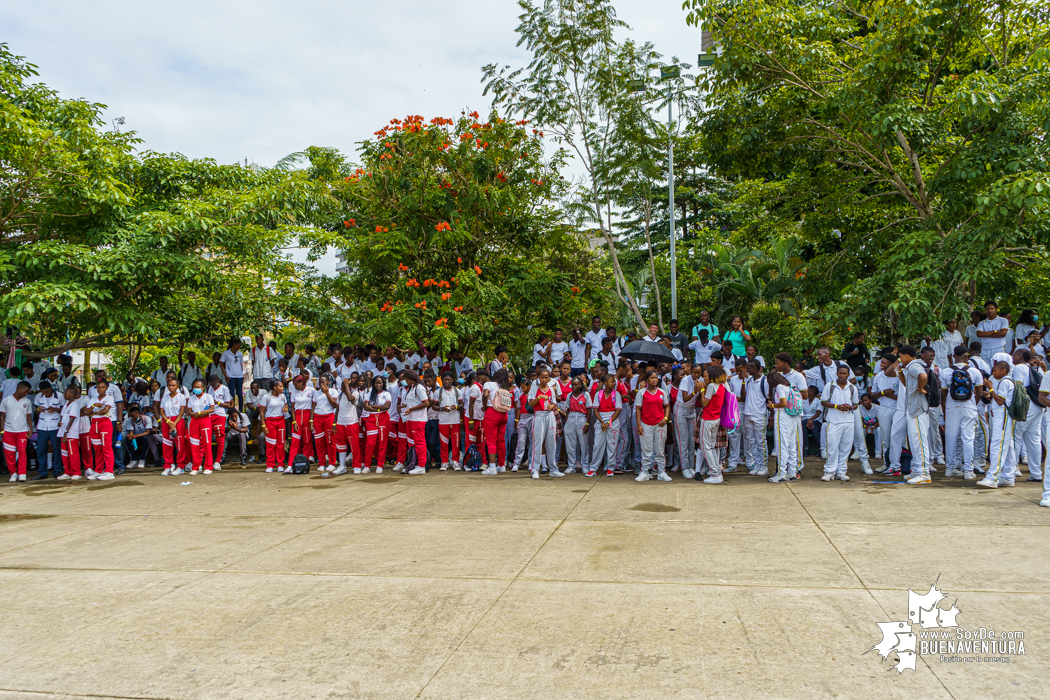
(794, 407)
(730, 415)
(1018, 408)
(978, 368)
(472, 459)
(933, 388)
(301, 464)
(1035, 380)
(960, 388)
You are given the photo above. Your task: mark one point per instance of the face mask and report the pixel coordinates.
(1035, 319)
(383, 374)
(404, 383)
(460, 380)
(198, 392)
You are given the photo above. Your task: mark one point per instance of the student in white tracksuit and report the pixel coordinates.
(735, 384)
(543, 397)
(606, 409)
(936, 416)
(1028, 434)
(1044, 399)
(785, 429)
(913, 378)
(652, 414)
(960, 416)
(980, 445)
(684, 419)
(885, 390)
(782, 363)
(840, 399)
(1001, 428)
(822, 375)
(755, 417)
(577, 406)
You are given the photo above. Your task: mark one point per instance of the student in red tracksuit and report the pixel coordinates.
(302, 394)
(347, 426)
(414, 409)
(69, 434)
(103, 413)
(376, 405)
(474, 407)
(274, 408)
(497, 399)
(223, 399)
(173, 428)
(326, 402)
(200, 407)
(16, 422)
(448, 400)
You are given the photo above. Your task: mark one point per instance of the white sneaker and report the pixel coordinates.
(970, 476)
(843, 477)
(714, 479)
(14, 478)
(64, 477)
(556, 472)
(535, 475)
(778, 478)
(330, 468)
(643, 476)
(417, 471)
(142, 464)
(663, 476)
(1045, 502)
(866, 468)
(366, 470)
(216, 466)
(920, 479)
(828, 477)
(379, 470)
(340, 470)
(207, 471)
(456, 467)
(177, 472)
(501, 470)
(489, 471)
(75, 477)
(762, 472)
(1024, 460)
(988, 483)
(513, 469)
(357, 470)
(91, 472)
(167, 470)
(824, 454)
(399, 467)
(940, 460)
(443, 467)
(194, 472)
(280, 470)
(108, 476)
(91, 477)
(688, 473)
(269, 470)
(570, 470)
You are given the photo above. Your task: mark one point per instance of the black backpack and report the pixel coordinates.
(300, 465)
(1035, 380)
(933, 388)
(960, 388)
(472, 460)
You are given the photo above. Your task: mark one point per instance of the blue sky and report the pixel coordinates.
(236, 79)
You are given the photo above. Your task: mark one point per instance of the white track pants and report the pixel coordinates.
(755, 441)
(1028, 435)
(787, 435)
(524, 435)
(1000, 447)
(683, 438)
(652, 439)
(576, 452)
(919, 443)
(543, 435)
(959, 427)
(605, 442)
(840, 444)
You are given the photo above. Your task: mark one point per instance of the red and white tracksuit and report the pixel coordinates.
(15, 451)
(275, 442)
(173, 442)
(377, 427)
(218, 436)
(200, 441)
(71, 456)
(495, 436)
(102, 444)
(348, 438)
(301, 435)
(324, 438)
(416, 435)
(449, 433)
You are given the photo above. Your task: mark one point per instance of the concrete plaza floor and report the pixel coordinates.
(253, 585)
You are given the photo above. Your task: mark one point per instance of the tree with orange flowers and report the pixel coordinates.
(457, 238)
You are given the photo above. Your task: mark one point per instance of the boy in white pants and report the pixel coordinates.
(1001, 428)
(756, 390)
(841, 400)
(913, 378)
(1028, 433)
(960, 412)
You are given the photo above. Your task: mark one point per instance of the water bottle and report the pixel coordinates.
(120, 440)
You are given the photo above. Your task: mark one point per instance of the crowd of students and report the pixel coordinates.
(579, 404)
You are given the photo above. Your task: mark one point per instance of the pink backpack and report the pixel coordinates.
(730, 416)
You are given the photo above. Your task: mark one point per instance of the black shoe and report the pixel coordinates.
(38, 477)
(120, 471)
(698, 477)
(244, 461)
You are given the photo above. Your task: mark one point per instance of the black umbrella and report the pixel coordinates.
(648, 351)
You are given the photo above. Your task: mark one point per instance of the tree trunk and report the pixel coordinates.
(617, 271)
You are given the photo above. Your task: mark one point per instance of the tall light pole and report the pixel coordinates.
(669, 73)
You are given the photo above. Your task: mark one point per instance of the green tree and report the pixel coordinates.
(102, 246)
(909, 138)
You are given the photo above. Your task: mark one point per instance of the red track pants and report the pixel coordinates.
(275, 442)
(495, 437)
(377, 427)
(417, 435)
(71, 456)
(102, 444)
(15, 451)
(173, 442)
(302, 436)
(449, 434)
(347, 439)
(200, 441)
(218, 437)
(324, 438)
